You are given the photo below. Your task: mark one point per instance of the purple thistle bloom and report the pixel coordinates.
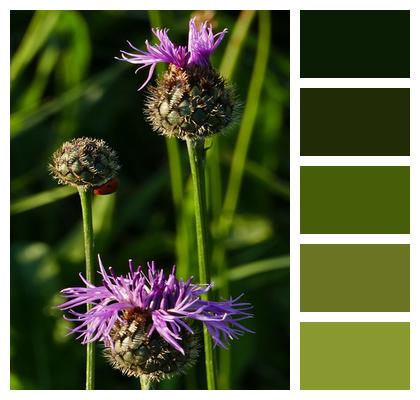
(170, 304)
(201, 44)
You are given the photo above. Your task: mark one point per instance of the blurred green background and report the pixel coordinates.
(65, 83)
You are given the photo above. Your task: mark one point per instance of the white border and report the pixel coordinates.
(296, 161)
(294, 199)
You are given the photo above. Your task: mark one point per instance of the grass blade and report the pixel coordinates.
(258, 267)
(42, 23)
(234, 46)
(255, 268)
(47, 62)
(41, 199)
(265, 177)
(248, 120)
(227, 66)
(238, 164)
(90, 91)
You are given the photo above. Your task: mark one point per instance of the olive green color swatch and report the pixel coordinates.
(355, 122)
(362, 200)
(355, 44)
(355, 278)
(355, 355)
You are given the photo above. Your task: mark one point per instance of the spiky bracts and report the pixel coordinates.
(84, 163)
(134, 353)
(190, 103)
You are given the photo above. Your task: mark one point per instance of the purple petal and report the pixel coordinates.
(163, 326)
(202, 43)
(172, 303)
(165, 51)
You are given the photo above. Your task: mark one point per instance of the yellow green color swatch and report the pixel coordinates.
(355, 355)
(355, 278)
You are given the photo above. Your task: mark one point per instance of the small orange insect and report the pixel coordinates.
(107, 188)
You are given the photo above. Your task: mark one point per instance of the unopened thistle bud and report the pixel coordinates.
(191, 100)
(134, 353)
(84, 163)
(147, 320)
(190, 103)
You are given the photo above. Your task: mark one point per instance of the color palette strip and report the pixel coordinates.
(356, 200)
(355, 44)
(355, 277)
(345, 200)
(354, 122)
(355, 355)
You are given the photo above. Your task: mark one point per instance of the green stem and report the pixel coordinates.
(177, 179)
(146, 383)
(177, 182)
(196, 155)
(86, 202)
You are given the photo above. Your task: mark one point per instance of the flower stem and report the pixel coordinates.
(86, 202)
(196, 155)
(146, 383)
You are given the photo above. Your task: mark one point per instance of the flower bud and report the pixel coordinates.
(190, 103)
(134, 353)
(84, 163)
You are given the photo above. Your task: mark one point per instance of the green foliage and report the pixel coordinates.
(66, 83)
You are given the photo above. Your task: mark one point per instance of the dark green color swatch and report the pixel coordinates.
(355, 122)
(354, 277)
(355, 44)
(355, 355)
(355, 199)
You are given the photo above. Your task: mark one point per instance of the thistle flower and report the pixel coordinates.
(191, 100)
(84, 163)
(146, 319)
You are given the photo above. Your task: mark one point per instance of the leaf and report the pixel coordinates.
(248, 120)
(90, 91)
(103, 211)
(42, 23)
(258, 267)
(248, 230)
(234, 46)
(41, 199)
(33, 94)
